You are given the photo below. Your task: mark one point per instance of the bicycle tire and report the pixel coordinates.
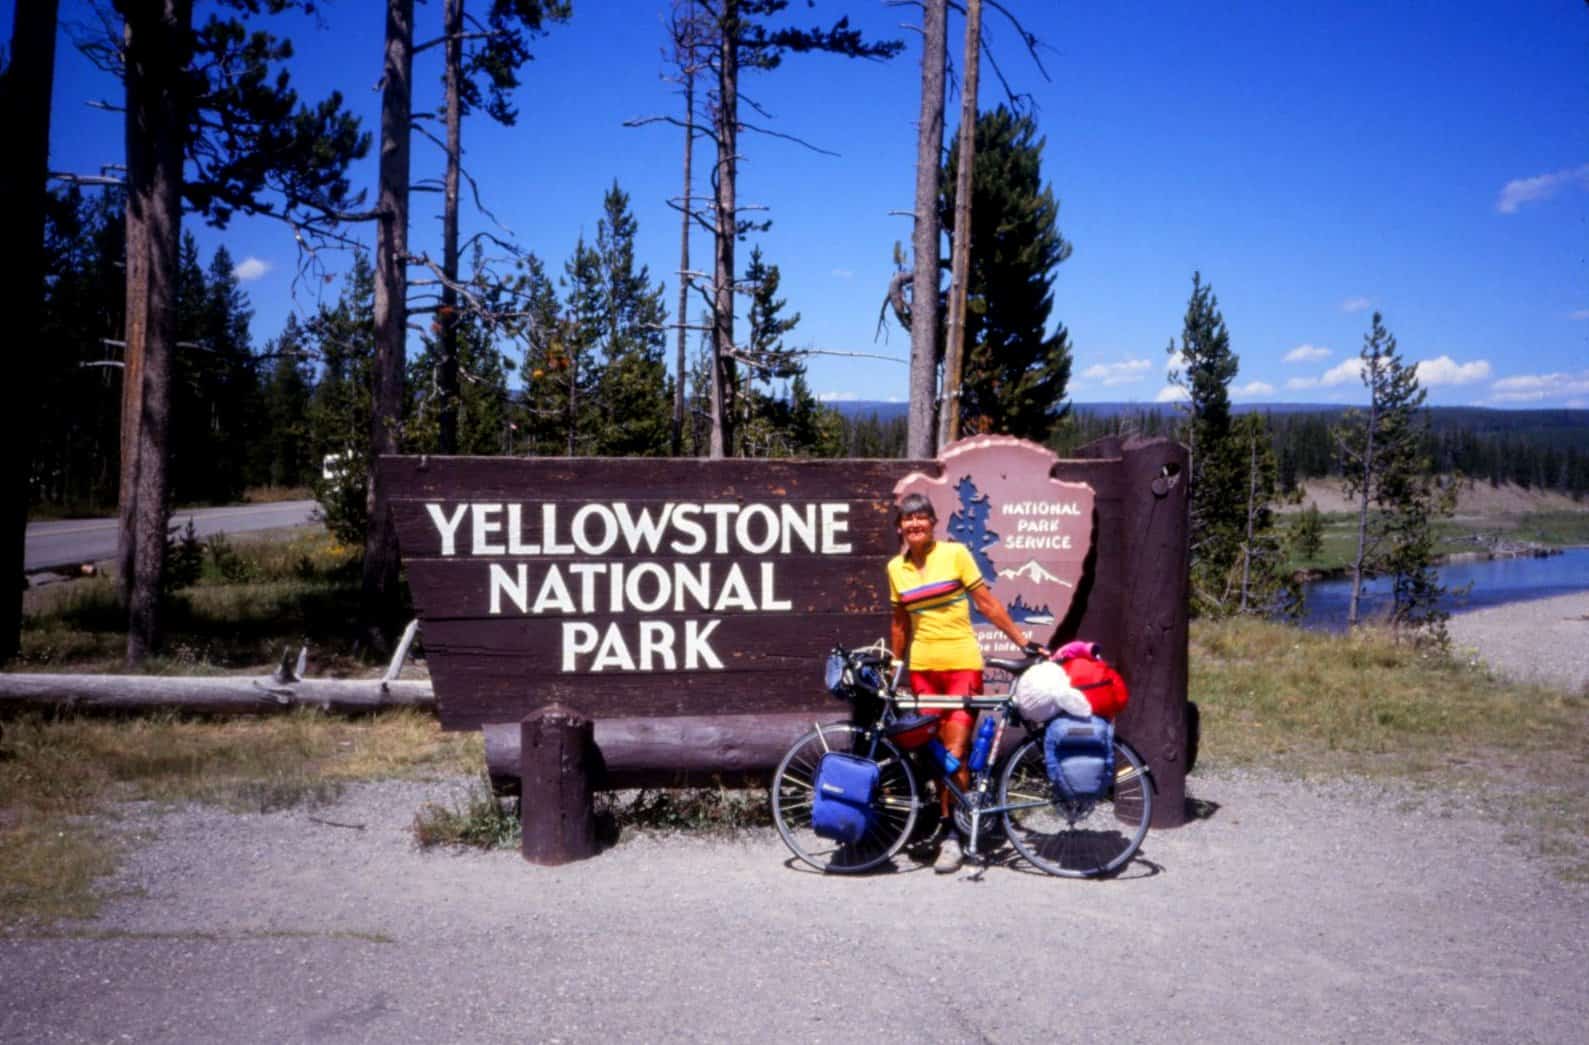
(1070, 839)
(896, 806)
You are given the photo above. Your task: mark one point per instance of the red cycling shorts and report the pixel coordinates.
(960, 682)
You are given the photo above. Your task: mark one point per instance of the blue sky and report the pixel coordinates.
(1314, 162)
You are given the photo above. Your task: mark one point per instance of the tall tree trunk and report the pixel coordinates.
(25, 103)
(919, 434)
(447, 379)
(380, 609)
(960, 258)
(684, 257)
(727, 230)
(136, 307)
(156, 45)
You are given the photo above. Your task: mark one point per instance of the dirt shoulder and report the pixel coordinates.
(1310, 911)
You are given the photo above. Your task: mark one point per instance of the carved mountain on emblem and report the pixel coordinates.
(1033, 571)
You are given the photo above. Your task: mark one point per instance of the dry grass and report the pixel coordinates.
(55, 773)
(1269, 692)
(1329, 705)
(254, 598)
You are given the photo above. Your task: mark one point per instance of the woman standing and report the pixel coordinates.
(931, 586)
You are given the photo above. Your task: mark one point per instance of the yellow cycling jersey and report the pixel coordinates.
(938, 597)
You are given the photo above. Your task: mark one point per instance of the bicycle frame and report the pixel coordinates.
(980, 781)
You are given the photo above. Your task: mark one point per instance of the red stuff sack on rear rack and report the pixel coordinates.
(1101, 684)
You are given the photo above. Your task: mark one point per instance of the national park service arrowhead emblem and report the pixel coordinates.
(1028, 532)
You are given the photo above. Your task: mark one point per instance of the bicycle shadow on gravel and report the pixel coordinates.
(1139, 867)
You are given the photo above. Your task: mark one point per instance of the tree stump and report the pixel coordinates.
(556, 759)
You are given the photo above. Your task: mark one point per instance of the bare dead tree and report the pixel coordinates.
(25, 106)
(924, 326)
(379, 589)
(745, 41)
(960, 259)
(685, 30)
(491, 51)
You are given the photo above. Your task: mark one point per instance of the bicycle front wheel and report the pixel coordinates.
(894, 810)
(1069, 838)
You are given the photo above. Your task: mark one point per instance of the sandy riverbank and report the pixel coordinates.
(1545, 640)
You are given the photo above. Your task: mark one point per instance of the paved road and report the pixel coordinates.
(72, 541)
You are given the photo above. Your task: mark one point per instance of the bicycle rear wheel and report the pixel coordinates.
(894, 810)
(1075, 839)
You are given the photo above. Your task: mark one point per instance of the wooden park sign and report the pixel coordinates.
(685, 605)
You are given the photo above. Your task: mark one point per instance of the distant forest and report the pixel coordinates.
(1536, 449)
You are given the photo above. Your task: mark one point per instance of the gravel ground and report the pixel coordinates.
(1308, 911)
(1545, 640)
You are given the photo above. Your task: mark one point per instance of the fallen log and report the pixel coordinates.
(684, 751)
(213, 695)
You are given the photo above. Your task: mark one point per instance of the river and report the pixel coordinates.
(1495, 582)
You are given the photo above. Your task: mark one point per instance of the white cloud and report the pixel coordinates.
(1172, 394)
(1529, 388)
(1519, 191)
(1443, 370)
(1302, 382)
(1255, 388)
(837, 397)
(1344, 371)
(1125, 373)
(843, 273)
(1579, 313)
(1355, 305)
(250, 269)
(1307, 354)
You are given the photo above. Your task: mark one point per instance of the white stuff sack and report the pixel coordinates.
(1044, 690)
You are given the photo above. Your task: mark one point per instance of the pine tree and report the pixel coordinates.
(479, 412)
(773, 420)
(212, 124)
(1015, 372)
(1307, 533)
(578, 364)
(548, 364)
(1205, 366)
(1260, 581)
(75, 451)
(635, 392)
(339, 414)
(1391, 480)
(283, 450)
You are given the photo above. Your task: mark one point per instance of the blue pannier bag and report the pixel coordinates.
(845, 788)
(1080, 756)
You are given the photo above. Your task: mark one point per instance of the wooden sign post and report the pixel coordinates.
(684, 606)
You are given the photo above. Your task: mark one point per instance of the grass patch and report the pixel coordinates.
(49, 867)
(251, 599)
(483, 820)
(1333, 705)
(56, 772)
(1270, 692)
(708, 810)
(479, 820)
